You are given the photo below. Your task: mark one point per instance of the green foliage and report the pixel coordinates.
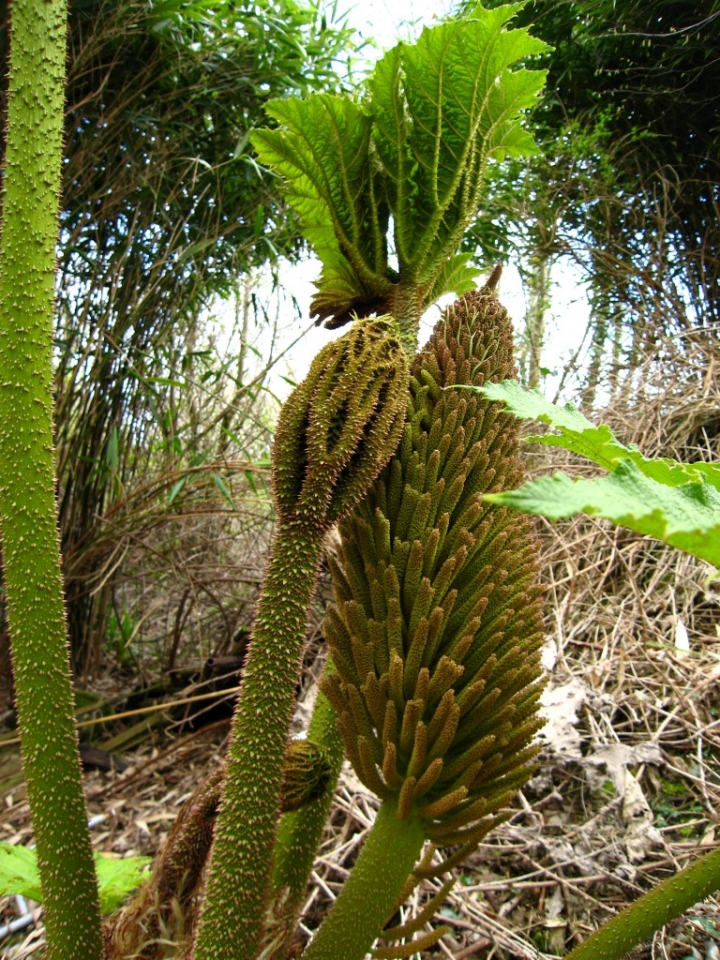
(415, 148)
(626, 186)
(116, 878)
(19, 872)
(677, 503)
(641, 79)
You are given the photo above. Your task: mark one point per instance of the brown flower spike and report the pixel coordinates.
(436, 627)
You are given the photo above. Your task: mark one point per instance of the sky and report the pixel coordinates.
(385, 22)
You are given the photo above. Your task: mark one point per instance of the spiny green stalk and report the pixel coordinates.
(335, 433)
(371, 891)
(27, 496)
(300, 831)
(640, 920)
(436, 628)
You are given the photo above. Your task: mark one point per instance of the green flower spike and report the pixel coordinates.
(336, 432)
(436, 628)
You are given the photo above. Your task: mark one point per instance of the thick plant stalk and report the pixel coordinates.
(336, 432)
(640, 920)
(27, 497)
(370, 894)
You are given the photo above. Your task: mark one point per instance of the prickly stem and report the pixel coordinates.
(335, 434)
(28, 522)
(639, 921)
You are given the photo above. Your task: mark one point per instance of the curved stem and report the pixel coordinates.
(28, 521)
(371, 892)
(239, 877)
(649, 913)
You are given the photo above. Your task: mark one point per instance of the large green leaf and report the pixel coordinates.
(417, 148)
(116, 878)
(322, 150)
(443, 107)
(687, 516)
(678, 503)
(577, 434)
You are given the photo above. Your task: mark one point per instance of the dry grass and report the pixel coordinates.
(629, 777)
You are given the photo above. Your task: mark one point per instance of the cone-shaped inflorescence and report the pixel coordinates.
(341, 425)
(436, 627)
(336, 432)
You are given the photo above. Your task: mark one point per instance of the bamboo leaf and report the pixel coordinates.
(176, 488)
(224, 489)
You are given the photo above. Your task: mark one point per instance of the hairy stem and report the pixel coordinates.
(405, 305)
(371, 892)
(241, 861)
(28, 521)
(663, 903)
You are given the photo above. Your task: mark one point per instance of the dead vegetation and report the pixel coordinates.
(629, 775)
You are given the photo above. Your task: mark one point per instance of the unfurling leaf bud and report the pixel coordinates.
(436, 627)
(307, 774)
(341, 424)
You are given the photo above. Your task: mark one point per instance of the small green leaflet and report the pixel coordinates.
(416, 147)
(19, 872)
(116, 878)
(678, 503)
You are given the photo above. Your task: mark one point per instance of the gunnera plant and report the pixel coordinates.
(384, 185)
(436, 627)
